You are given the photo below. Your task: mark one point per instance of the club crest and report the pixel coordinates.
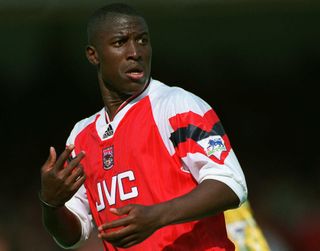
(107, 157)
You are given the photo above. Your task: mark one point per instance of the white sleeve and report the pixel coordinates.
(230, 172)
(208, 154)
(79, 206)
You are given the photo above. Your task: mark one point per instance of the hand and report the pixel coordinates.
(59, 183)
(138, 224)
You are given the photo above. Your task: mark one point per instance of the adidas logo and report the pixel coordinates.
(108, 133)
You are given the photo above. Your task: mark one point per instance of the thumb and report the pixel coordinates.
(121, 210)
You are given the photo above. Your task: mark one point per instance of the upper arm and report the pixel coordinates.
(195, 135)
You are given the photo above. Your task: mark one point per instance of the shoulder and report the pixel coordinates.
(83, 124)
(177, 99)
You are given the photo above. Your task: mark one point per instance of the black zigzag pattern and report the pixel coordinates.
(195, 133)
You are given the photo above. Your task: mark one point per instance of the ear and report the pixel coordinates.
(92, 55)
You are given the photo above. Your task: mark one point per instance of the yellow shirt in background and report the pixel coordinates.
(244, 231)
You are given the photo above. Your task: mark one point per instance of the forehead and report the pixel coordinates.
(115, 24)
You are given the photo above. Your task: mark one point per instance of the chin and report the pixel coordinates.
(136, 88)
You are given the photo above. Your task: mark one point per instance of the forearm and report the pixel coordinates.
(59, 183)
(62, 224)
(208, 198)
(137, 222)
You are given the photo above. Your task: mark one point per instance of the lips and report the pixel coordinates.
(135, 72)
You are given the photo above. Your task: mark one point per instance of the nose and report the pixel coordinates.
(133, 51)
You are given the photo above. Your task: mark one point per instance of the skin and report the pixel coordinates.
(58, 185)
(138, 222)
(123, 47)
(121, 51)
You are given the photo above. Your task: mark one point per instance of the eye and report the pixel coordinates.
(143, 40)
(118, 43)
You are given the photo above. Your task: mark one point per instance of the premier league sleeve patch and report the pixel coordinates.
(213, 145)
(107, 157)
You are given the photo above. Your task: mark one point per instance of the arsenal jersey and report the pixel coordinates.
(160, 145)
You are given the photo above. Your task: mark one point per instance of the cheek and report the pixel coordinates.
(109, 66)
(111, 74)
(148, 57)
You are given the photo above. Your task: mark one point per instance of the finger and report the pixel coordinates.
(116, 235)
(120, 222)
(114, 224)
(63, 157)
(75, 175)
(73, 163)
(78, 183)
(130, 243)
(115, 211)
(124, 241)
(51, 159)
(121, 210)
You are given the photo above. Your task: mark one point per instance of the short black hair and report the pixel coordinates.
(99, 16)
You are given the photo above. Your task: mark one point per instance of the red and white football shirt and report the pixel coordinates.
(159, 146)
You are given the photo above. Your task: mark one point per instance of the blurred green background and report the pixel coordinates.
(256, 62)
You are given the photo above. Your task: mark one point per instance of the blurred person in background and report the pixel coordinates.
(244, 231)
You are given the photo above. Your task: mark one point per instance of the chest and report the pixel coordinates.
(131, 164)
(129, 144)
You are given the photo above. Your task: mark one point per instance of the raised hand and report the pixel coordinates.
(59, 183)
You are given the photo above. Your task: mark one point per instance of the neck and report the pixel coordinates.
(111, 104)
(111, 99)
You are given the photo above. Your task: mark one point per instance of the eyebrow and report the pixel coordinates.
(121, 34)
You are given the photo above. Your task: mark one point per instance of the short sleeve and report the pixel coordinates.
(201, 143)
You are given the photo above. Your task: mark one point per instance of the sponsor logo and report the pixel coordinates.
(213, 145)
(108, 157)
(117, 187)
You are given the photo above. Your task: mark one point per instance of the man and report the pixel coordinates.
(154, 168)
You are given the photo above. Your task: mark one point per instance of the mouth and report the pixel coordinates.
(135, 73)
